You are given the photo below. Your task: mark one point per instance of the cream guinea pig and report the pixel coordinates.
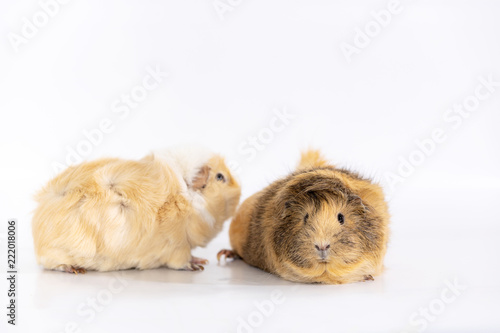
(319, 224)
(114, 214)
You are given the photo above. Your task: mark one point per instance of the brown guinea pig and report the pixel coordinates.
(115, 214)
(319, 224)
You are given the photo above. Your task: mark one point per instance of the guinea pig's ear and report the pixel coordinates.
(356, 200)
(285, 209)
(201, 179)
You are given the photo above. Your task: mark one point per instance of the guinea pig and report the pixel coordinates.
(320, 224)
(114, 214)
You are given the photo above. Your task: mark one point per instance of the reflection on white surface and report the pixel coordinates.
(422, 262)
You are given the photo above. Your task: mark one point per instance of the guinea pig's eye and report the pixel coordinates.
(220, 177)
(340, 217)
(306, 217)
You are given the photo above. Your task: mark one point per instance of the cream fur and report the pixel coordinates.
(114, 214)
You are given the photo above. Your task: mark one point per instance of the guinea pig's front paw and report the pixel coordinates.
(72, 269)
(193, 267)
(368, 278)
(227, 254)
(195, 264)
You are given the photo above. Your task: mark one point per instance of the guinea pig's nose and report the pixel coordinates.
(322, 249)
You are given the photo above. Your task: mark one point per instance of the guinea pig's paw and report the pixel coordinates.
(193, 267)
(368, 278)
(199, 261)
(227, 254)
(72, 269)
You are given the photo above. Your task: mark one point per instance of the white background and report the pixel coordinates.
(228, 74)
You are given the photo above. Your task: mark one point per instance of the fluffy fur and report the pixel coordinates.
(113, 214)
(293, 229)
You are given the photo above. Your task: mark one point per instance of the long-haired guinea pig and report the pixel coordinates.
(319, 224)
(114, 214)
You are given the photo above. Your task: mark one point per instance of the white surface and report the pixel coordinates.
(444, 245)
(226, 80)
